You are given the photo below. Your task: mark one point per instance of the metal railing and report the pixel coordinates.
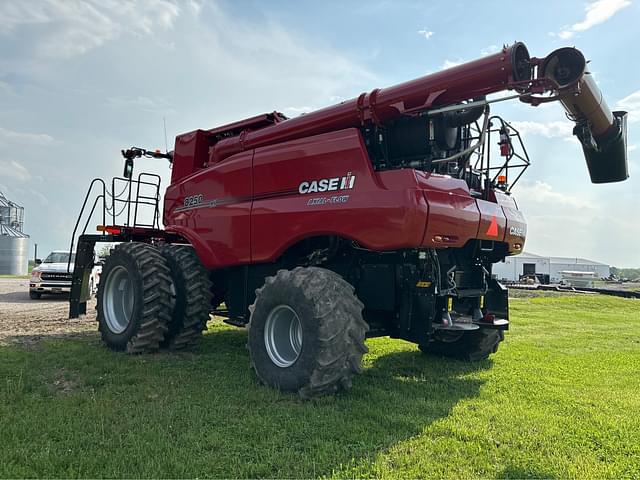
(124, 201)
(515, 159)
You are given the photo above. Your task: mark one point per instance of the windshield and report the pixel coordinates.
(59, 257)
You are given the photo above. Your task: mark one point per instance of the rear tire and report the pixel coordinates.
(471, 346)
(192, 299)
(306, 332)
(134, 298)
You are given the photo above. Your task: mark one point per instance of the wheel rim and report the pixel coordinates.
(283, 336)
(118, 299)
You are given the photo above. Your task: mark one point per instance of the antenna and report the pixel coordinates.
(164, 122)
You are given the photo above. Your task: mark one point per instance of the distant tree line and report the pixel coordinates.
(630, 273)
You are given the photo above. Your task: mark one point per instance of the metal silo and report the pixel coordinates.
(13, 242)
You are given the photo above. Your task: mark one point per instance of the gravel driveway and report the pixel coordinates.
(26, 321)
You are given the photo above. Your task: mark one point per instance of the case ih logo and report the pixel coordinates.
(517, 232)
(328, 184)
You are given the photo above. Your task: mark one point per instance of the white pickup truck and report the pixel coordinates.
(51, 276)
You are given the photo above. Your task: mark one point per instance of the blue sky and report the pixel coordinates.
(81, 80)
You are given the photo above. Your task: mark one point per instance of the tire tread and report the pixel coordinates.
(155, 299)
(341, 327)
(185, 328)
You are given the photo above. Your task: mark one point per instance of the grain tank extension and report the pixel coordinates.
(382, 215)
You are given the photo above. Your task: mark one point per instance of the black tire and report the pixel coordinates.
(192, 299)
(471, 346)
(35, 295)
(332, 331)
(148, 290)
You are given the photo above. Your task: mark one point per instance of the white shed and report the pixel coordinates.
(529, 263)
(523, 264)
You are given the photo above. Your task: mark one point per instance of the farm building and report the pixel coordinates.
(528, 263)
(13, 241)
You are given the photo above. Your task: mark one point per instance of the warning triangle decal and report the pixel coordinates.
(492, 231)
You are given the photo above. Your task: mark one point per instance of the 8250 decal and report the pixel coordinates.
(193, 200)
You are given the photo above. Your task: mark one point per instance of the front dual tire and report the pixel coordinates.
(134, 298)
(150, 298)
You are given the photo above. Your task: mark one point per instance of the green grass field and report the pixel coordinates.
(560, 399)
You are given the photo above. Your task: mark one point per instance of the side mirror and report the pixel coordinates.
(128, 168)
(38, 261)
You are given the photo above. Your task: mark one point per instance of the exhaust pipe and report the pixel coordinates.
(602, 133)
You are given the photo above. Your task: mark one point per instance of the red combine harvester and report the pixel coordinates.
(382, 215)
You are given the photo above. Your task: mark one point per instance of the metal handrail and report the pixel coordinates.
(156, 212)
(84, 204)
(114, 200)
(517, 157)
(130, 199)
(506, 165)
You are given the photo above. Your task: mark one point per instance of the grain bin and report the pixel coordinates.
(14, 243)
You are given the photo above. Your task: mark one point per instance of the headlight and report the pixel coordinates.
(35, 275)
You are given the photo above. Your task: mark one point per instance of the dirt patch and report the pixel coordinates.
(26, 322)
(63, 383)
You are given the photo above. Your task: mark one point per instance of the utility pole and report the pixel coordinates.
(35, 252)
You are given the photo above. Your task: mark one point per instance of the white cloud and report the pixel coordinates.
(12, 169)
(556, 129)
(44, 201)
(542, 194)
(448, 63)
(425, 33)
(224, 67)
(295, 111)
(580, 224)
(195, 6)
(451, 63)
(11, 136)
(632, 148)
(288, 68)
(595, 13)
(74, 27)
(489, 50)
(630, 103)
(14, 14)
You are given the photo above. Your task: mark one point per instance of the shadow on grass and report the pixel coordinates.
(203, 413)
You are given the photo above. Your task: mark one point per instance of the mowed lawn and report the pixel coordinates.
(561, 398)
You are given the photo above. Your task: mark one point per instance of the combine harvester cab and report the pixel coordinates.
(382, 215)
